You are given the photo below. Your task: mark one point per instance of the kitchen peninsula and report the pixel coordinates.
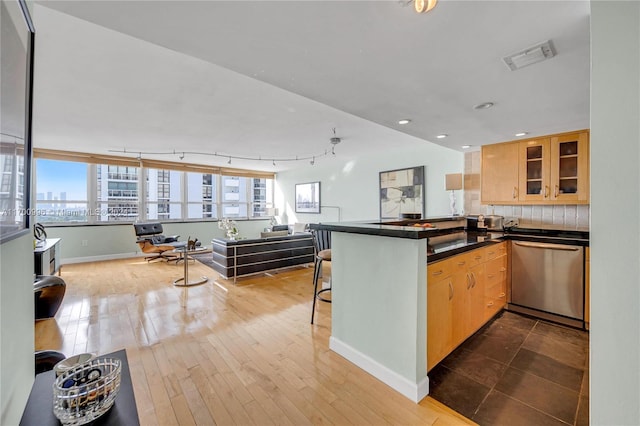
(404, 296)
(379, 309)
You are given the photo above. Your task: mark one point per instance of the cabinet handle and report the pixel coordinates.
(438, 272)
(490, 304)
(546, 191)
(473, 277)
(461, 263)
(490, 275)
(478, 257)
(468, 281)
(491, 253)
(502, 295)
(450, 291)
(515, 192)
(503, 269)
(556, 191)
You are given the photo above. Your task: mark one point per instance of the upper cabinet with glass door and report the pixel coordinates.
(553, 169)
(570, 168)
(534, 170)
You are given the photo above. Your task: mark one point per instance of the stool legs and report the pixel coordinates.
(317, 272)
(317, 267)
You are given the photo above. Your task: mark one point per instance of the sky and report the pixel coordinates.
(61, 176)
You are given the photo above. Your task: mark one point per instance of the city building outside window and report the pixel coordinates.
(77, 192)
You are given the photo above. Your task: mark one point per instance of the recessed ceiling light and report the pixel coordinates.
(483, 105)
(522, 134)
(442, 136)
(466, 146)
(404, 121)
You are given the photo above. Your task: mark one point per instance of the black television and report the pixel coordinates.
(16, 85)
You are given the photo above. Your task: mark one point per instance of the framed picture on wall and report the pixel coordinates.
(402, 192)
(308, 197)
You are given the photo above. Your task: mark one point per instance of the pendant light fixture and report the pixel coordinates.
(423, 6)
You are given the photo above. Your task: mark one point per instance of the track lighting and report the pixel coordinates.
(334, 140)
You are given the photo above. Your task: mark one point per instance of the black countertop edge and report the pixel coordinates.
(404, 229)
(449, 253)
(393, 228)
(407, 232)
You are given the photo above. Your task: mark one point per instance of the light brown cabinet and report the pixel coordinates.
(458, 292)
(550, 170)
(499, 183)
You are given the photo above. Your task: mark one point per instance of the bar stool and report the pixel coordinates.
(322, 246)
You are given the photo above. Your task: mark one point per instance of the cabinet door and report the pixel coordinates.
(499, 176)
(570, 168)
(439, 315)
(534, 170)
(476, 298)
(460, 307)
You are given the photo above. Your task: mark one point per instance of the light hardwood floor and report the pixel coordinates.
(221, 353)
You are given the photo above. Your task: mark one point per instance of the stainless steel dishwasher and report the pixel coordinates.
(547, 280)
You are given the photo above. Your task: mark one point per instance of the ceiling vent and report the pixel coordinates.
(532, 55)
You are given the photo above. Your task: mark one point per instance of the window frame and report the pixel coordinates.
(252, 206)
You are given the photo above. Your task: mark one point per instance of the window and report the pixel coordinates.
(61, 191)
(164, 194)
(117, 193)
(84, 192)
(201, 196)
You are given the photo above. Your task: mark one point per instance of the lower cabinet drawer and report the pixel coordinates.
(495, 298)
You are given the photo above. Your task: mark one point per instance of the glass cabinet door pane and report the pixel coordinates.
(534, 187)
(534, 169)
(534, 152)
(569, 148)
(568, 167)
(568, 186)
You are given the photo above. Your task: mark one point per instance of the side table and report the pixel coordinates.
(184, 281)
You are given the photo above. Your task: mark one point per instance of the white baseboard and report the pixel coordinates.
(414, 391)
(70, 260)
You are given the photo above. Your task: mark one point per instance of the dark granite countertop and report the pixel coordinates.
(397, 228)
(444, 246)
(449, 237)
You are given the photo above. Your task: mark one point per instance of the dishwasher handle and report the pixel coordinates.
(547, 246)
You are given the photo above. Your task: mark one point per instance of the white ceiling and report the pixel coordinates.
(273, 78)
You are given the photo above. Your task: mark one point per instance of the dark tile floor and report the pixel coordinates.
(517, 370)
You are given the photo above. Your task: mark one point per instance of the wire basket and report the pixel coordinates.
(86, 391)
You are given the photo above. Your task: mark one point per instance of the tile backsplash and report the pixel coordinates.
(566, 215)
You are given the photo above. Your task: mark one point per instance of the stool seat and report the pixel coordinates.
(325, 255)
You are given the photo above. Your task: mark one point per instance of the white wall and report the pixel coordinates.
(615, 213)
(118, 241)
(16, 327)
(379, 314)
(349, 189)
